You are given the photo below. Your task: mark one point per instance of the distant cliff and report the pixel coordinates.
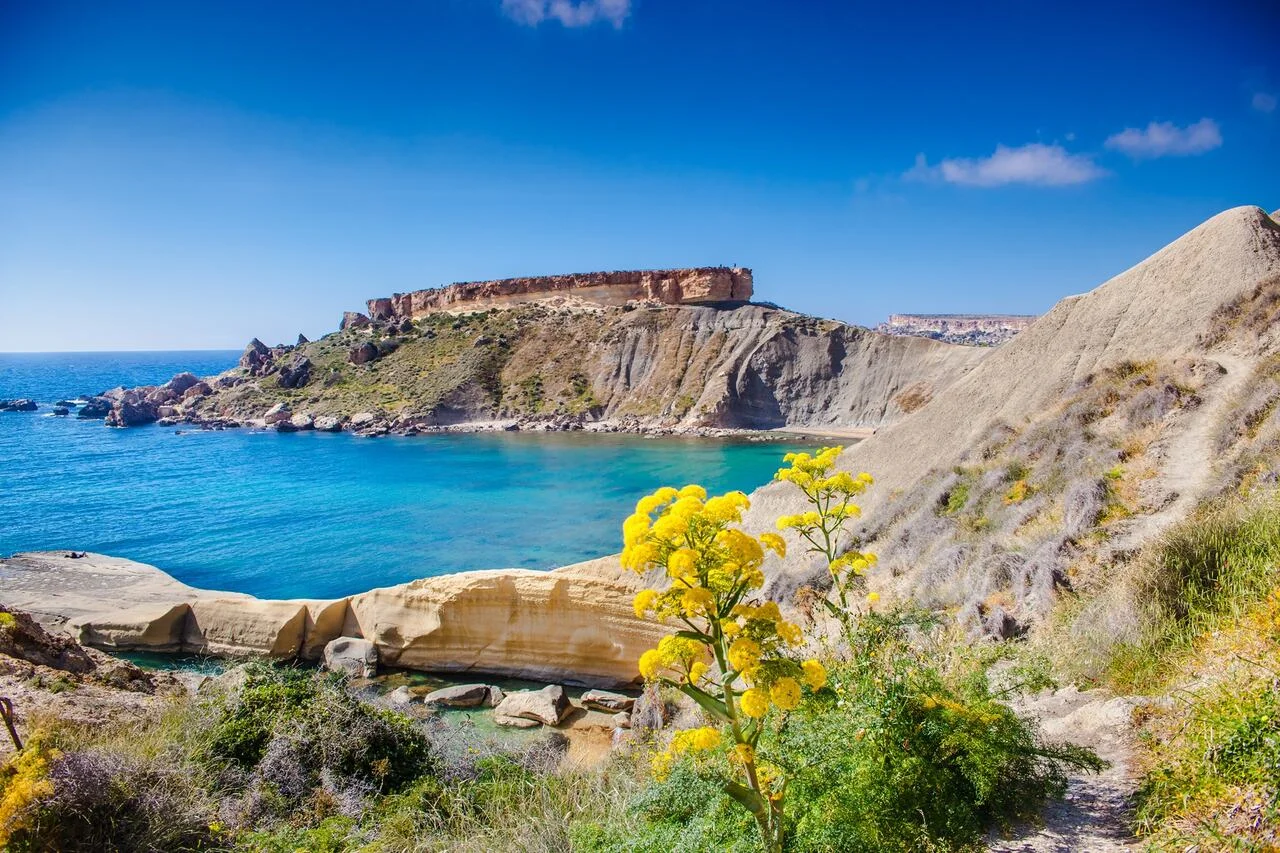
(695, 286)
(967, 329)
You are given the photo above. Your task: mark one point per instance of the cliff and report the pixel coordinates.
(694, 286)
(656, 368)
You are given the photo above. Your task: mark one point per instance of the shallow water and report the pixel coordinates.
(316, 514)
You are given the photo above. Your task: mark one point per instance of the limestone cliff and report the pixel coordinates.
(669, 287)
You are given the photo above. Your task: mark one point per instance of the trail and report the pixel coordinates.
(1095, 814)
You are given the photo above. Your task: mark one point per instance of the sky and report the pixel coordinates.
(187, 175)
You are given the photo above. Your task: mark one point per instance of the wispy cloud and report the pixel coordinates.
(1035, 164)
(1265, 102)
(570, 13)
(1166, 139)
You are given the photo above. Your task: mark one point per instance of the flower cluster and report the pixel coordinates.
(831, 494)
(732, 654)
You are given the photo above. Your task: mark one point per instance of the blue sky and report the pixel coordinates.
(190, 175)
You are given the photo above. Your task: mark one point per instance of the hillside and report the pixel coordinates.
(1089, 432)
(566, 362)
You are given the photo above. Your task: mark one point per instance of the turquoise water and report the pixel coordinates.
(317, 514)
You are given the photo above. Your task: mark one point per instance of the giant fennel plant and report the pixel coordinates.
(715, 577)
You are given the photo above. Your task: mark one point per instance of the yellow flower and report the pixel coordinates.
(744, 654)
(790, 633)
(745, 752)
(726, 508)
(754, 702)
(682, 563)
(639, 557)
(696, 740)
(693, 491)
(650, 664)
(814, 673)
(785, 693)
(634, 529)
(696, 600)
(648, 504)
(873, 597)
(644, 601)
(730, 627)
(769, 611)
(696, 671)
(774, 543)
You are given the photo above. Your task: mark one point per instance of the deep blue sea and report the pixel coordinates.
(316, 514)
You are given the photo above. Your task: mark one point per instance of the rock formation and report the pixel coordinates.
(572, 625)
(696, 286)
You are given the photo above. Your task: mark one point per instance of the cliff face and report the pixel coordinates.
(670, 287)
(671, 366)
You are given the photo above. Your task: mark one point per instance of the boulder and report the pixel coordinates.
(547, 706)
(352, 655)
(302, 339)
(363, 354)
(621, 720)
(61, 411)
(327, 423)
(400, 696)
(603, 700)
(167, 411)
(94, 408)
(21, 405)
(353, 320)
(256, 357)
(362, 419)
(200, 389)
(180, 383)
(459, 696)
(302, 421)
(295, 374)
(496, 695)
(277, 413)
(133, 410)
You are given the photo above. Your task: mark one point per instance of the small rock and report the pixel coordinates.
(548, 705)
(277, 413)
(167, 411)
(622, 720)
(61, 411)
(603, 700)
(302, 421)
(495, 696)
(351, 655)
(459, 696)
(328, 423)
(400, 696)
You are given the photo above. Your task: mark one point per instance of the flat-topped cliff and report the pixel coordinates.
(971, 329)
(694, 286)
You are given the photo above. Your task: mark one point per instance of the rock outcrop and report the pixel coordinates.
(573, 625)
(968, 329)
(696, 286)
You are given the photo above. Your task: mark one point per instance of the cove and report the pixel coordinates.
(314, 515)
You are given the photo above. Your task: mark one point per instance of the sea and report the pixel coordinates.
(320, 515)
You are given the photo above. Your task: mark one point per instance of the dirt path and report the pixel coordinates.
(1095, 813)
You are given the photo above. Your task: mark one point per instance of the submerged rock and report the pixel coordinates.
(459, 696)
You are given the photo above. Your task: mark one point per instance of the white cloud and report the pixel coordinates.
(570, 13)
(1264, 102)
(1034, 163)
(1166, 139)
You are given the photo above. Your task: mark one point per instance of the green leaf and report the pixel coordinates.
(713, 706)
(749, 799)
